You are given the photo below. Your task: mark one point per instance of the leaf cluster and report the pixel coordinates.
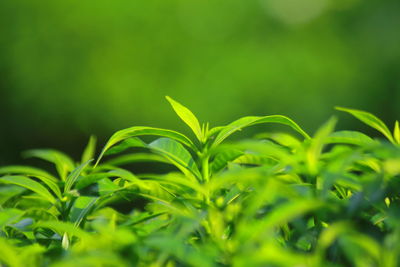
(277, 199)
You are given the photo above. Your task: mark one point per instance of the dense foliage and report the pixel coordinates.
(273, 200)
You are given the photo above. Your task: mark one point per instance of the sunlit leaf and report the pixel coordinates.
(73, 176)
(29, 184)
(140, 131)
(188, 117)
(249, 121)
(63, 163)
(176, 153)
(90, 150)
(370, 120)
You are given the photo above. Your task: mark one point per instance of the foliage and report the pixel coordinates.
(273, 200)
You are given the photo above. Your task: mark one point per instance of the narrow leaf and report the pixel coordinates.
(29, 184)
(396, 132)
(350, 137)
(63, 163)
(187, 117)
(253, 120)
(176, 153)
(90, 149)
(140, 131)
(74, 175)
(371, 120)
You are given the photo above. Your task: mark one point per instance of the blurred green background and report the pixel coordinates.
(69, 69)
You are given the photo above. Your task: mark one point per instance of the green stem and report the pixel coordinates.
(205, 169)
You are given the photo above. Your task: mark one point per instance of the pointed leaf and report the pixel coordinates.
(396, 132)
(350, 137)
(29, 184)
(187, 117)
(126, 144)
(26, 170)
(253, 120)
(222, 158)
(140, 131)
(73, 176)
(176, 153)
(90, 149)
(82, 207)
(63, 163)
(371, 120)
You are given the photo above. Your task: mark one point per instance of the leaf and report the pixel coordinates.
(253, 120)
(74, 175)
(187, 117)
(8, 216)
(26, 170)
(44, 176)
(350, 137)
(213, 131)
(82, 206)
(124, 145)
(29, 184)
(222, 158)
(9, 254)
(140, 131)
(371, 120)
(90, 149)
(63, 163)
(87, 180)
(136, 157)
(396, 132)
(317, 144)
(63, 227)
(177, 154)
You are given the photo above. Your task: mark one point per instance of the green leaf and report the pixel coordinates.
(92, 178)
(136, 157)
(140, 131)
(253, 120)
(63, 163)
(82, 206)
(124, 145)
(9, 255)
(8, 216)
(187, 117)
(396, 132)
(371, 120)
(317, 144)
(63, 227)
(73, 176)
(350, 137)
(29, 184)
(44, 176)
(222, 158)
(26, 170)
(177, 154)
(90, 149)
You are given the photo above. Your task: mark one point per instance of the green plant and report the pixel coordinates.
(272, 200)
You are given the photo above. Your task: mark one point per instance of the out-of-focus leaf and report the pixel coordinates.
(63, 163)
(370, 120)
(81, 208)
(90, 150)
(396, 132)
(29, 184)
(73, 176)
(350, 137)
(222, 158)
